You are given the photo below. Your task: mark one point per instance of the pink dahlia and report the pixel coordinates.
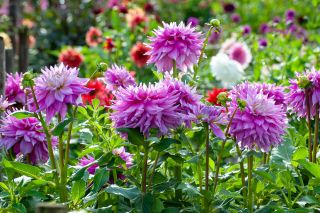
(26, 137)
(187, 100)
(178, 43)
(146, 107)
(118, 76)
(262, 123)
(272, 91)
(93, 37)
(87, 160)
(57, 87)
(296, 98)
(237, 51)
(13, 89)
(126, 156)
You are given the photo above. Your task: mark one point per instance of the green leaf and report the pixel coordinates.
(100, 178)
(170, 210)
(4, 187)
(129, 193)
(78, 174)
(78, 190)
(147, 203)
(134, 136)
(165, 143)
(20, 207)
(22, 114)
(58, 130)
(313, 168)
(299, 153)
(95, 103)
(161, 187)
(25, 169)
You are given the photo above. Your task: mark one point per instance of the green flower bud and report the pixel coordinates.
(27, 80)
(304, 82)
(215, 23)
(223, 98)
(102, 67)
(241, 103)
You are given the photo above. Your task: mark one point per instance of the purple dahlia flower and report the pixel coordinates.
(193, 21)
(4, 104)
(214, 116)
(118, 76)
(187, 100)
(126, 156)
(57, 87)
(246, 30)
(272, 91)
(26, 137)
(235, 18)
(13, 89)
(85, 161)
(290, 15)
(146, 107)
(296, 98)
(178, 43)
(264, 28)
(261, 124)
(263, 42)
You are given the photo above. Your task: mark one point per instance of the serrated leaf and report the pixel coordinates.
(100, 178)
(129, 193)
(58, 130)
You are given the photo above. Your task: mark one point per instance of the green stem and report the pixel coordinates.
(202, 52)
(175, 71)
(243, 178)
(309, 125)
(200, 173)
(265, 157)
(48, 137)
(221, 151)
(66, 154)
(153, 169)
(250, 191)
(63, 188)
(144, 169)
(316, 134)
(206, 127)
(178, 175)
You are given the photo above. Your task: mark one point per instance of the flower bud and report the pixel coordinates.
(304, 82)
(27, 80)
(241, 103)
(223, 98)
(215, 23)
(102, 67)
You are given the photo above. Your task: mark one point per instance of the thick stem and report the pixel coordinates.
(309, 124)
(265, 157)
(144, 169)
(48, 137)
(316, 134)
(153, 169)
(243, 178)
(250, 192)
(206, 203)
(202, 52)
(221, 151)
(200, 173)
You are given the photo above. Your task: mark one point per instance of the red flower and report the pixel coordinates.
(138, 54)
(108, 44)
(71, 57)
(100, 92)
(93, 37)
(135, 17)
(213, 94)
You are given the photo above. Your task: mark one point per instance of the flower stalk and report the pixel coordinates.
(250, 191)
(206, 129)
(316, 135)
(309, 124)
(144, 169)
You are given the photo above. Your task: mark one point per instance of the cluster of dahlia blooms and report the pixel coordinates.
(117, 77)
(174, 43)
(70, 57)
(13, 89)
(262, 122)
(57, 87)
(25, 137)
(99, 91)
(309, 85)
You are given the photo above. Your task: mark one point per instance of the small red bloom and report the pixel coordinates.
(71, 57)
(135, 17)
(138, 54)
(108, 44)
(99, 92)
(213, 94)
(93, 37)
